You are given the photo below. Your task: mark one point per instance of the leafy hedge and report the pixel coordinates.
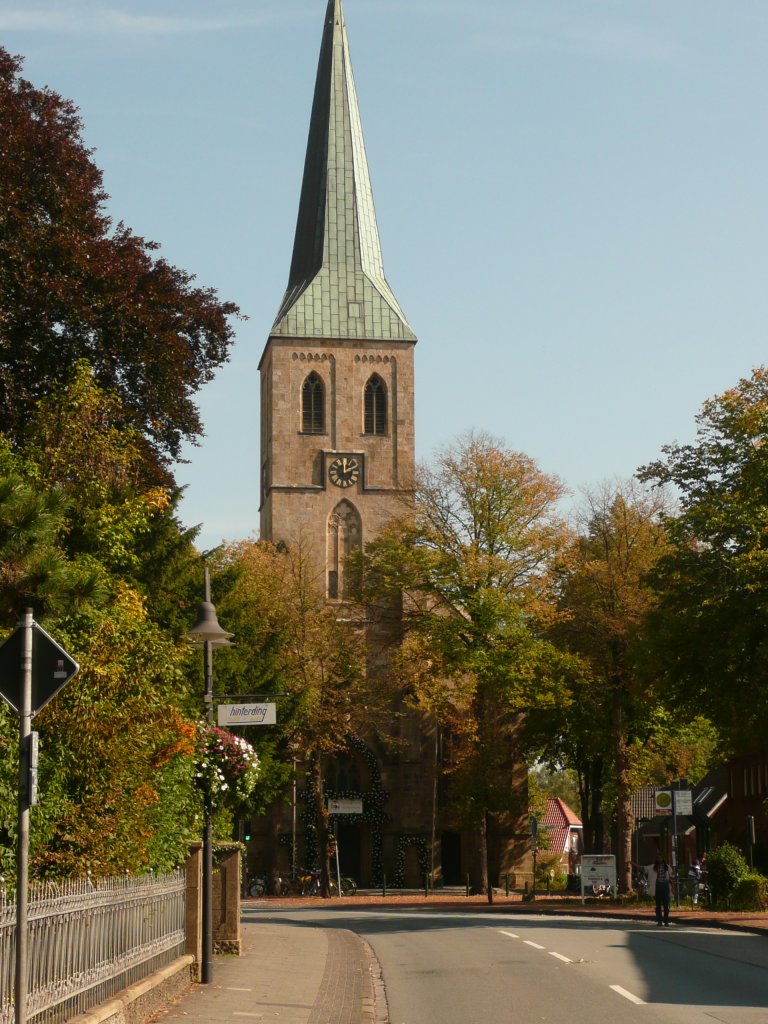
(726, 867)
(751, 893)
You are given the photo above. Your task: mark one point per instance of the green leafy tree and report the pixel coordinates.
(474, 558)
(711, 629)
(118, 748)
(606, 598)
(74, 287)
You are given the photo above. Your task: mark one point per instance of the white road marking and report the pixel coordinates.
(534, 944)
(510, 935)
(229, 989)
(561, 957)
(628, 995)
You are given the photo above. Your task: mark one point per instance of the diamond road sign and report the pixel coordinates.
(52, 668)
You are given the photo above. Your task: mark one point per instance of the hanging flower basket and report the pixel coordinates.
(227, 765)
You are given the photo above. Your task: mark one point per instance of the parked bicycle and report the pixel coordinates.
(256, 885)
(311, 885)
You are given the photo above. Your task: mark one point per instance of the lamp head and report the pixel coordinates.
(207, 628)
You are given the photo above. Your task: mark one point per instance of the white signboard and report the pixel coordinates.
(598, 872)
(248, 714)
(684, 801)
(345, 806)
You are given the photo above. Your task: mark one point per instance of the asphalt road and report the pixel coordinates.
(442, 968)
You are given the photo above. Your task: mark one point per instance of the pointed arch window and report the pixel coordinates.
(345, 533)
(313, 405)
(375, 405)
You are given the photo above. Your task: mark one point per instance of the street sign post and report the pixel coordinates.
(33, 668)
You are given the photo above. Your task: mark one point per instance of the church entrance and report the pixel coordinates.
(450, 858)
(350, 850)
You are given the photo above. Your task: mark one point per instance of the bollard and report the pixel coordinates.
(506, 884)
(467, 885)
(426, 886)
(384, 887)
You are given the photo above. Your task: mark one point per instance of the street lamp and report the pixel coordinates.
(207, 633)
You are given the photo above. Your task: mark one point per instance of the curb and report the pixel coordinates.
(141, 1000)
(378, 1013)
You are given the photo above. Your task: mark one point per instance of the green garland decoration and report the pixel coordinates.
(423, 851)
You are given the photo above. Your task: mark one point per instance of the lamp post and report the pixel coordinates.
(207, 633)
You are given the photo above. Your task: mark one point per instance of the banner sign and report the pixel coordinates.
(248, 714)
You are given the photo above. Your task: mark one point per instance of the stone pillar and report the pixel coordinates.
(194, 910)
(226, 898)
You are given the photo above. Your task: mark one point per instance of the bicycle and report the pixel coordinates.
(348, 886)
(311, 885)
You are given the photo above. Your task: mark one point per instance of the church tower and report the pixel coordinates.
(337, 391)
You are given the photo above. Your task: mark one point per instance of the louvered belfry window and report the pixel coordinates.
(375, 406)
(313, 405)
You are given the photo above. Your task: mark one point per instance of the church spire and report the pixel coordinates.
(337, 287)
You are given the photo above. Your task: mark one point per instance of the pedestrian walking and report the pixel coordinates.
(663, 890)
(694, 872)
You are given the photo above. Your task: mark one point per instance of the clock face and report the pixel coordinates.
(344, 472)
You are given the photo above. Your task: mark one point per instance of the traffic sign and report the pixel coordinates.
(663, 801)
(52, 668)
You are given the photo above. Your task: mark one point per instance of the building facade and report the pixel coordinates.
(337, 462)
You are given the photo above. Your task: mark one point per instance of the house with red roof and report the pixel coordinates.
(565, 832)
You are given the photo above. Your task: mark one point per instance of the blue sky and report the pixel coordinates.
(571, 198)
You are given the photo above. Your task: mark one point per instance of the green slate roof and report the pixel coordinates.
(337, 287)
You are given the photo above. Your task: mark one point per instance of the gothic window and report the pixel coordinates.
(313, 405)
(344, 537)
(343, 774)
(375, 406)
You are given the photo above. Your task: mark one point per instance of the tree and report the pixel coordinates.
(35, 570)
(118, 748)
(474, 556)
(290, 642)
(76, 535)
(606, 598)
(72, 287)
(711, 626)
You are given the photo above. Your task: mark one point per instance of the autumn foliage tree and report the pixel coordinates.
(474, 556)
(73, 286)
(290, 643)
(606, 598)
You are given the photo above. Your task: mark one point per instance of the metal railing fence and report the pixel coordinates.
(90, 939)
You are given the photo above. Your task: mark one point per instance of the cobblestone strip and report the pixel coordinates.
(348, 991)
(380, 1007)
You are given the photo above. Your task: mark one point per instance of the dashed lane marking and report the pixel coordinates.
(534, 944)
(230, 989)
(510, 935)
(560, 956)
(628, 995)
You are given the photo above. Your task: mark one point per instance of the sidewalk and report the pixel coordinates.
(291, 975)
